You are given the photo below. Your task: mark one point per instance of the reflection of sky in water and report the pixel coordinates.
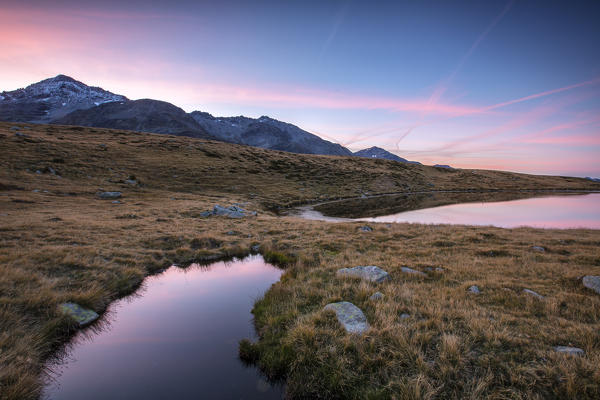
(542, 212)
(178, 339)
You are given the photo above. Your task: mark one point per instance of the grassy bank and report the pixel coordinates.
(60, 243)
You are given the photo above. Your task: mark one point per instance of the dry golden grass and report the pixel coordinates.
(66, 245)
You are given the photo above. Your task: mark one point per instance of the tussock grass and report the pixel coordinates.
(67, 245)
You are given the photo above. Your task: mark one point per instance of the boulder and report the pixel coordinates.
(534, 294)
(365, 228)
(474, 289)
(412, 271)
(351, 317)
(231, 211)
(376, 296)
(572, 351)
(404, 316)
(369, 273)
(592, 282)
(538, 248)
(109, 195)
(81, 315)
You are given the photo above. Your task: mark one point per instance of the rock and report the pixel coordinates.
(351, 317)
(436, 269)
(205, 214)
(538, 248)
(531, 292)
(131, 181)
(255, 248)
(412, 271)
(376, 296)
(572, 351)
(14, 128)
(474, 289)
(592, 282)
(116, 202)
(365, 228)
(369, 273)
(231, 211)
(109, 195)
(404, 316)
(81, 315)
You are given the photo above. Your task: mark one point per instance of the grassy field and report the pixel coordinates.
(59, 243)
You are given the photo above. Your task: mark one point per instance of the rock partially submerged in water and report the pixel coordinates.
(109, 195)
(592, 282)
(81, 315)
(408, 270)
(572, 351)
(230, 212)
(351, 317)
(369, 273)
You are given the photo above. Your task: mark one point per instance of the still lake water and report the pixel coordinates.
(552, 211)
(176, 338)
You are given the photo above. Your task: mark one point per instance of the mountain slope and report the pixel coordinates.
(378, 152)
(51, 99)
(138, 115)
(267, 133)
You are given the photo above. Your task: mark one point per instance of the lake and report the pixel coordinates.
(176, 338)
(502, 209)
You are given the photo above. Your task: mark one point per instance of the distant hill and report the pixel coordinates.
(378, 152)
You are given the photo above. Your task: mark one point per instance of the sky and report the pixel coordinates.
(511, 84)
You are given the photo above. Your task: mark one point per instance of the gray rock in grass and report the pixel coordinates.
(369, 273)
(474, 289)
(412, 271)
(351, 317)
(592, 282)
(376, 296)
(534, 294)
(109, 195)
(573, 351)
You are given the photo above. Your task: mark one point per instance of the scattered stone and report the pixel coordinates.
(14, 128)
(36, 190)
(369, 273)
(19, 134)
(538, 248)
(572, 351)
(351, 317)
(131, 181)
(412, 271)
(109, 195)
(365, 228)
(231, 212)
(474, 289)
(81, 315)
(404, 316)
(592, 282)
(531, 292)
(37, 171)
(116, 202)
(376, 296)
(436, 269)
(231, 233)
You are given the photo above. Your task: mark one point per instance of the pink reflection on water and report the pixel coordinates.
(575, 211)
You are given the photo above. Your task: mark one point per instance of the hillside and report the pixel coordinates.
(60, 242)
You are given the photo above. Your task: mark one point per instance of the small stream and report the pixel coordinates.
(175, 338)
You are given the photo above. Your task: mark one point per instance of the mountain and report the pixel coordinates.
(52, 98)
(144, 115)
(64, 100)
(378, 152)
(443, 166)
(267, 133)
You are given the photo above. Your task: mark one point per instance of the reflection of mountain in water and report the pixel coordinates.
(393, 204)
